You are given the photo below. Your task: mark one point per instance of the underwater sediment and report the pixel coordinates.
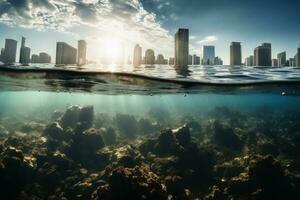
(78, 153)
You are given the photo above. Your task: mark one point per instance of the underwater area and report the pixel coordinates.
(81, 134)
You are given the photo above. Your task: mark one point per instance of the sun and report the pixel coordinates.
(113, 50)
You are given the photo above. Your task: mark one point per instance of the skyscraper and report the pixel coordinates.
(182, 47)
(137, 55)
(297, 62)
(171, 61)
(208, 55)
(149, 57)
(35, 58)
(196, 60)
(44, 58)
(81, 52)
(160, 59)
(292, 62)
(249, 61)
(10, 51)
(281, 57)
(24, 53)
(235, 53)
(274, 63)
(65, 54)
(218, 61)
(1, 54)
(262, 55)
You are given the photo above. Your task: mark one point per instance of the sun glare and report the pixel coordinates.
(113, 50)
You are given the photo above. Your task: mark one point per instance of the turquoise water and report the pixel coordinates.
(229, 133)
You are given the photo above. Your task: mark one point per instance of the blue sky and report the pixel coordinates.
(152, 23)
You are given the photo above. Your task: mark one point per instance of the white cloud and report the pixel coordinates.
(208, 39)
(126, 19)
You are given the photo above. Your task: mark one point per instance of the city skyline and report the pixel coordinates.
(152, 24)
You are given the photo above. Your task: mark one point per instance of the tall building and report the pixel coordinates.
(65, 54)
(24, 53)
(44, 58)
(218, 61)
(35, 58)
(292, 62)
(182, 48)
(10, 51)
(274, 63)
(262, 55)
(235, 53)
(1, 54)
(249, 61)
(297, 60)
(81, 52)
(190, 62)
(160, 59)
(149, 57)
(171, 61)
(137, 55)
(196, 60)
(208, 55)
(281, 57)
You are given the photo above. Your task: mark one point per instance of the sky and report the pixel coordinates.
(152, 24)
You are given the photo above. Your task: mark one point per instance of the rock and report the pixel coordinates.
(76, 114)
(183, 136)
(55, 131)
(216, 194)
(166, 144)
(225, 136)
(127, 125)
(132, 183)
(109, 136)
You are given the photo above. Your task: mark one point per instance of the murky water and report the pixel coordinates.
(215, 132)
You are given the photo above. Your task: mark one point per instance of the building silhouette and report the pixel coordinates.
(24, 53)
(235, 53)
(81, 52)
(196, 60)
(274, 63)
(190, 60)
(44, 58)
(137, 55)
(297, 59)
(1, 54)
(10, 51)
(262, 55)
(149, 57)
(208, 55)
(218, 61)
(182, 48)
(160, 59)
(65, 54)
(292, 62)
(35, 58)
(171, 61)
(249, 61)
(281, 57)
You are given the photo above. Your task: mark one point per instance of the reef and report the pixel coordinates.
(80, 154)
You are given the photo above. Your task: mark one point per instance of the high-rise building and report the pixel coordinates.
(137, 55)
(65, 54)
(81, 52)
(235, 53)
(149, 57)
(182, 48)
(274, 63)
(281, 57)
(297, 60)
(218, 61)
(44, 58)
(10, 51)
(190, 62)
(249, 61)
(160, 59)
(196, 60)
(262, 55)
(35, 58)
(292, 62)
(1, 54)
(208, 55)
(171, 61)
(24, 53)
